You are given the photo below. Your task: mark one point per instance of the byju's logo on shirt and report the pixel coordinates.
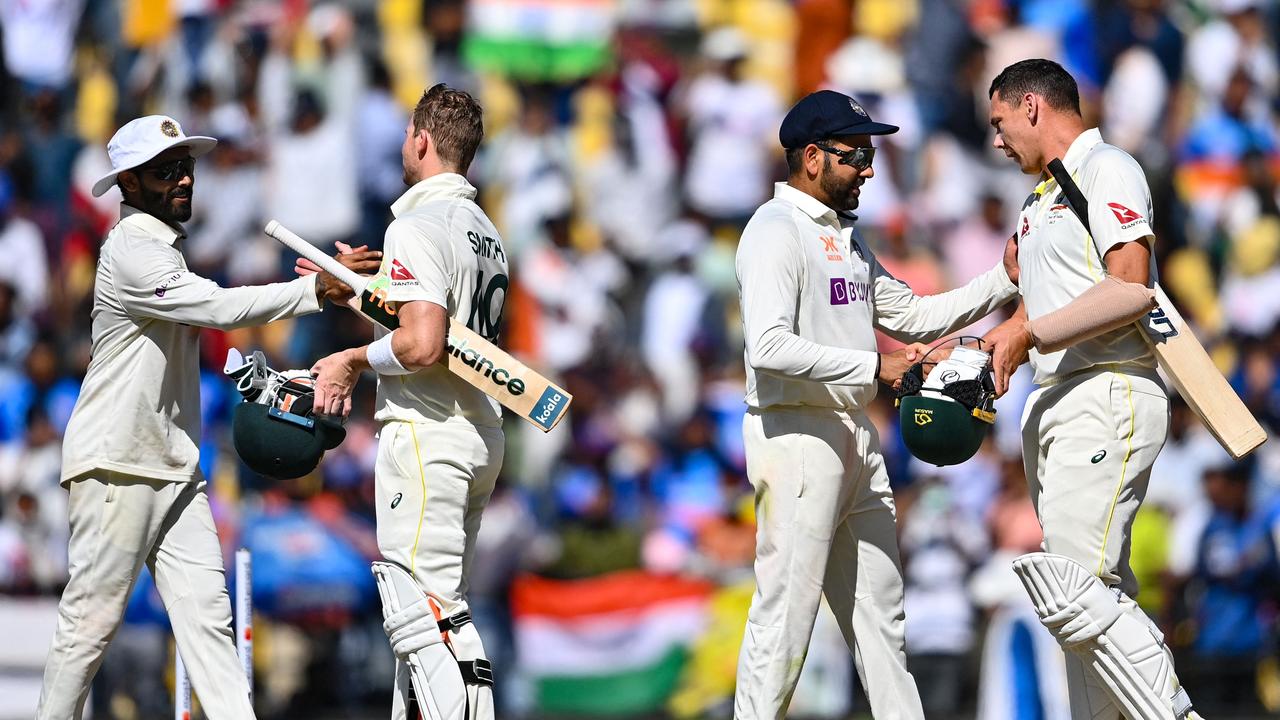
(845, 291)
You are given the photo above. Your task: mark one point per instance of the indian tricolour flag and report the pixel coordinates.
(540, 40)
(609, 645)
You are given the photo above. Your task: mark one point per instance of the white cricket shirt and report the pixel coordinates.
(812, 292)
(1058, 260)
(139, 407)
(442, 249)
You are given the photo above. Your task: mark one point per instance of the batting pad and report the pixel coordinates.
(1126, 653)
(417, 640)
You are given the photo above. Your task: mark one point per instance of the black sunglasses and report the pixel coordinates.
(858, 158)
(173, 171)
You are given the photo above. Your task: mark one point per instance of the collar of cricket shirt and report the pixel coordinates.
(151, 225)
(437, 186)
(810, 205)
(1079, 147)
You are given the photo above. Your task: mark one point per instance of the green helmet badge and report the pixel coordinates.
(946, 416)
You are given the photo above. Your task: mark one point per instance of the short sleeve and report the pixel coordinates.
(416, 263)
(1119, 202)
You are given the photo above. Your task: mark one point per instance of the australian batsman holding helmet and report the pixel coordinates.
(131, 454)
(812, 293)
(1092, 430)
(441, 443)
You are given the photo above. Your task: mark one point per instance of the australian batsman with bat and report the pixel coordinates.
(1101, 414)
(441, 441)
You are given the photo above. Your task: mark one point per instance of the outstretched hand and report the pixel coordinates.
(1010, 343)
(896, 364)
(361, 261)
(335, 380)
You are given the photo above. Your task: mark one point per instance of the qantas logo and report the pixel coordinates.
(400, 272)
(1026, 227)
(1126, 216)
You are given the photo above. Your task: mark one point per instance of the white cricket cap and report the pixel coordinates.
(141, 140)
(724, 44)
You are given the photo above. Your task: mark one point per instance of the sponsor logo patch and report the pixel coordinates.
(831, 246)
(1124, 215)
(164, 286)
(1026, 227)
(1098, 458)
(845, 291)
(400, 272)
(923, 416)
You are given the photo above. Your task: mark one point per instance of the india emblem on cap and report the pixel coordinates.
(169, 128)
(858, 108)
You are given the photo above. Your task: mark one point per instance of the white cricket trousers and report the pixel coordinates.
(118, 523)
(1088, 444)
(432, 483)
(824, 524)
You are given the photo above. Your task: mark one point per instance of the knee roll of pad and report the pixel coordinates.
(1088, 619)
(451, 678)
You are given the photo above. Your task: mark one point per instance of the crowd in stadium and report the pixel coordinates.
(627, 142)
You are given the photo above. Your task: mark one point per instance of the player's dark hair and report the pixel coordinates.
(1045, 78)
(795, 160)
(454, 120)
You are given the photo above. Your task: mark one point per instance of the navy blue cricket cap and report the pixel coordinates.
(827, 114)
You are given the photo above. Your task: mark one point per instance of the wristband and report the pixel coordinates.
(383, 359)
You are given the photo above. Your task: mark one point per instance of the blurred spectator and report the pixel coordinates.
(591, 541)
(380, 131)
(21, 239)
(52, 151)
(673, 313)
(1237, 38)
(224, 237)
(732, 126)
(629, 186)
(311, 168)
(531, 160)
(1235, 574)
(38, 40)
(17, 335)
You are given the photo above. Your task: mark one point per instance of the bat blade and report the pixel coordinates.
(1198, 380)
(471, 357)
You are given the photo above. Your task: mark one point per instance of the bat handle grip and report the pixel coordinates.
(316, 255)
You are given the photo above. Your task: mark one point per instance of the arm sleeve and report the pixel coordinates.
(154, 284)
(770, 270)
(418, 265)
(908, 317)
(1119, 202)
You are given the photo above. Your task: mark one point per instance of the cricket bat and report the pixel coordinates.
(1182, 357)
(471, 357)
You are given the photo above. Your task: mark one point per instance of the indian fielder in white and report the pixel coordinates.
(812, 292)
(1093, 428)
(441, 443)
(130, 458)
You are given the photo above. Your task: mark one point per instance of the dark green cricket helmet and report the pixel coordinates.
(946, 416)
(282, 444)
(274, 430)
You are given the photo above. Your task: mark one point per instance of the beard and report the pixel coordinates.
(839, 191)
(168, 205)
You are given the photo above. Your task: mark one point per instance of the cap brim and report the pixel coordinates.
(197, 144)
(867, 128)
